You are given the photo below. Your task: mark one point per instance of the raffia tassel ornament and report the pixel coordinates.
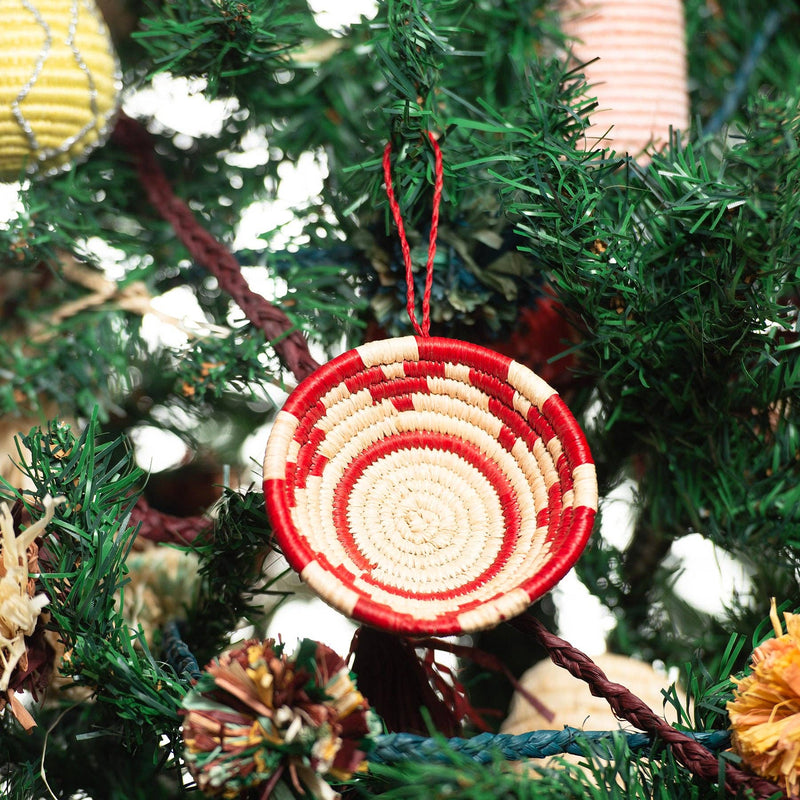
(638, 69)
(255, 717)
(59, 84)
(20, 606)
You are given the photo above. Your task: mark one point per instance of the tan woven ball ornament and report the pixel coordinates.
(572, 703)
(425, 485)
(59, 84)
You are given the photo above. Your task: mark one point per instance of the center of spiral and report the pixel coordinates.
(421, 524)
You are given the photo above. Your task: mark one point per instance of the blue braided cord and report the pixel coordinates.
(389, 748)
(178, 653)
(772, 22)
(392, 747)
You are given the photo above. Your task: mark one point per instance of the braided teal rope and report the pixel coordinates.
(178, 653)
(393, 747)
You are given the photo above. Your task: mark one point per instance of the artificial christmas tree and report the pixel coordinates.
(657, 290)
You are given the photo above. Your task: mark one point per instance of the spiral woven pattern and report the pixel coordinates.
(59, 83)
(425, 485)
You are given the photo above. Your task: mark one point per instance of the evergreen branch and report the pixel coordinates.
(451, 775)
(414, 50)
(21, 783)
(727, 51)
(231, 559)
(84, 574)
(214, 366)
(68, 341)
(683, 266)
(709, 687)
(221, 41)
(769, 27)
(322, 292)
(81, 751)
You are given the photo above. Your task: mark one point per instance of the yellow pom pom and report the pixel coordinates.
(59, 83)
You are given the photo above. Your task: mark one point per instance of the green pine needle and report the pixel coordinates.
(84, 573)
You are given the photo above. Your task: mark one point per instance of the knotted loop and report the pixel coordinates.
(424, 328)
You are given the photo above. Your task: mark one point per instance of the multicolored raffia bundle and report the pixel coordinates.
(255, 716)
(20, 611)
(426, 485)
(59, 82)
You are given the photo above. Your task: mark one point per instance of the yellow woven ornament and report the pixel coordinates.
(59, 83)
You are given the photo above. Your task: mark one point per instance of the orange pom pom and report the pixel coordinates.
(765, 711)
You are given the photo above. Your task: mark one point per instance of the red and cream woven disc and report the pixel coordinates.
(428, 486)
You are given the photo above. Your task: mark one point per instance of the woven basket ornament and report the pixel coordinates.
(59, 84)
(424, 485)
(634, 57)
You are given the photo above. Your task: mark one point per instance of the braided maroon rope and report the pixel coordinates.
(156, 526)
(628, 706)
(289, 343)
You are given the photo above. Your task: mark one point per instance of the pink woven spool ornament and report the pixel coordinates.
(425, 485)
(640, 74)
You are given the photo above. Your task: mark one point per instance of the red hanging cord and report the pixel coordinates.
(424, 329)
